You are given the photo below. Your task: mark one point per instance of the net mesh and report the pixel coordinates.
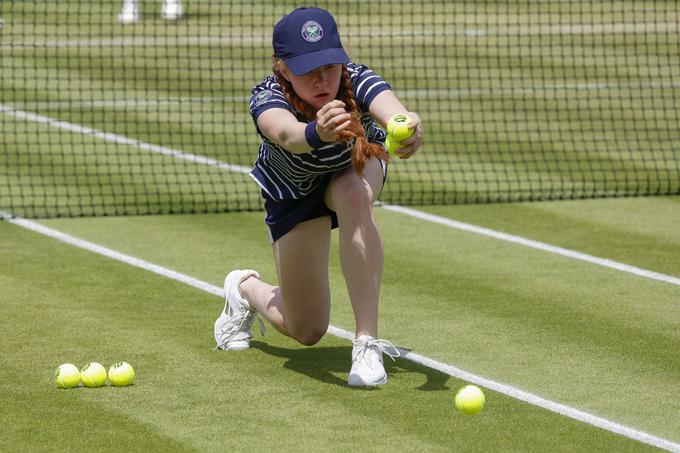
(521, 100)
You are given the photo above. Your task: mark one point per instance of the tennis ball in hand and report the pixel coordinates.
(397, 127)
(67, 376)
(93, 375)
(391, 145)
(469, 400)
(121, 374)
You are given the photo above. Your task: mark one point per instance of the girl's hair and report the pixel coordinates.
(363, 149)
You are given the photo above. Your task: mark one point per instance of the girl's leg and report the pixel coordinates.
(300, 306)
(361, 249)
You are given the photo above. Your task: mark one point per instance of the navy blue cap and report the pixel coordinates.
(308, 38)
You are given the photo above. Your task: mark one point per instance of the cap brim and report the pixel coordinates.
(302, 64)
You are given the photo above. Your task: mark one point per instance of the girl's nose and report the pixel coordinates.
(322, 77)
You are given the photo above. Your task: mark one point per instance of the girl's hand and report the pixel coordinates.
(331, 119)
(412, 144)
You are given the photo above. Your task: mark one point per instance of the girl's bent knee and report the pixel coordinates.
(309, 336)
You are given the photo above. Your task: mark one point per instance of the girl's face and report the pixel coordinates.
(318, 87)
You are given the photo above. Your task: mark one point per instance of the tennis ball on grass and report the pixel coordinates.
(397, 127)
(121, 374)
(469, 400)
(67, 376)
(93, 375)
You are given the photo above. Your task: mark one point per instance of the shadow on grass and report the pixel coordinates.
(326, 363)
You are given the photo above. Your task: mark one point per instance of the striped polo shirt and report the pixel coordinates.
(284, 175)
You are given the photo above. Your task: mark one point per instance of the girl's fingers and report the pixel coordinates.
(330, 106)
(327, 110)
(333, 118)
(412, 144)
(344, 125)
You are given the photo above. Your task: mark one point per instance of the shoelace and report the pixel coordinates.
(383, 346)
(236, 322)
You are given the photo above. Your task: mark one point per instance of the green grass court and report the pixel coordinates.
(523, 100)
(589, 337)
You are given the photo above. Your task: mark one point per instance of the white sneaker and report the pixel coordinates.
(232, 328)
(367, 362)
(172, 10)
(129, 13)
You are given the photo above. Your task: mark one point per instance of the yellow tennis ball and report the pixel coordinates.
(391, 145)
(397, 127)
(93, 375)
(121, 374)
(67, 376)
(469, 400)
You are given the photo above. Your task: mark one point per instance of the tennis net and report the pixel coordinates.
(103, 113)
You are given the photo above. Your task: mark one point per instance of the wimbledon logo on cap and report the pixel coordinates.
(312, 31)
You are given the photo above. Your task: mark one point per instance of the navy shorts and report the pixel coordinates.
(284, 215)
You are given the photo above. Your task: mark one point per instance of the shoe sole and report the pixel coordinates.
(358, 382)
(236, 346)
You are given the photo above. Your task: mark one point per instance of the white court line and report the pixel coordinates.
(439, 93)
(604, 262)
(537, 89)
(511, 27)
(122, 140)
(442, 367)
(574, 29)
(43, 42)
(127, 103)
